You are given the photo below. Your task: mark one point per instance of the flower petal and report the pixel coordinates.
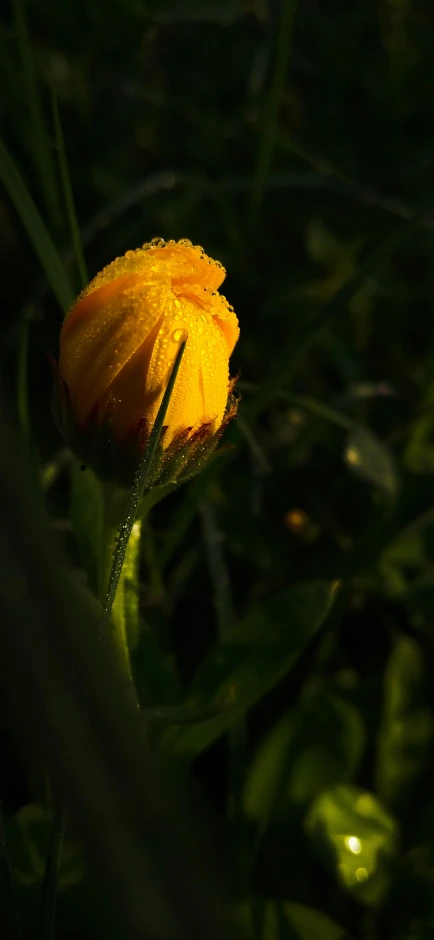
(103, 332)
(188, 264)
(214, 373)
(186, 404)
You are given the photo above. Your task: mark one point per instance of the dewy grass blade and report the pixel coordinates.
(39, 147)
(42, 243)
(139, 484)
(69, 198)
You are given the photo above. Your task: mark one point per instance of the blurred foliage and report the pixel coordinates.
(294, 141)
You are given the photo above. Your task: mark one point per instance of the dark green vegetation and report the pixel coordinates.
(295, 142)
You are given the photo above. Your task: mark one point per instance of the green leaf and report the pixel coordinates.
(397, 563)
(36, 229)
(370, 459)
(319, 745)
(269, 919)
(356, 838)
(418, 456)
(28, 836)
(250, 660)
(406, 732)
(86, 513)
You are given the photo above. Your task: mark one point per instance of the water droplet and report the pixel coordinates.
(353, 844)
(159, 267)
(353, 456)
(179, 336)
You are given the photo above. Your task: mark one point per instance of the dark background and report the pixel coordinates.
(295, 142)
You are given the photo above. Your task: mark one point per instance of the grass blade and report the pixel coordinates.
(36, 229)
(69, 198)
(39, 146)
(267, 142)
(139, 484)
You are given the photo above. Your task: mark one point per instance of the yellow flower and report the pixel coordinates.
(120, 339)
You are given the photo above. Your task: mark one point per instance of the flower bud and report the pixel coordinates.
(117, 348)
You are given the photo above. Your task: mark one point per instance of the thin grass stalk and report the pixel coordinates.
(39, 146)
(69, 198)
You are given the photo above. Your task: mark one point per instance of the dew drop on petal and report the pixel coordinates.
(179, 336)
